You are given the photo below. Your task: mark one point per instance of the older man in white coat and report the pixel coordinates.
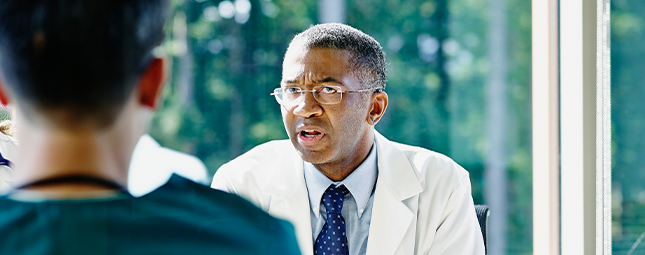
(346, 188)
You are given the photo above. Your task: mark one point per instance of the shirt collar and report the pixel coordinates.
(360, 182)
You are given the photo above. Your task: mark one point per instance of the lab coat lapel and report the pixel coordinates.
(289, 197)
(393, 222)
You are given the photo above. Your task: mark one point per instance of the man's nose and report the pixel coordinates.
(308, 106)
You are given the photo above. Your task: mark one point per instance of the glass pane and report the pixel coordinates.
(628, 122)
(458, 81)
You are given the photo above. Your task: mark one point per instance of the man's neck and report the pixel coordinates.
(50, 153)
(338, 171)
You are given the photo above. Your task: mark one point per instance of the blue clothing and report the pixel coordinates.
(357, 208)
(181, 217)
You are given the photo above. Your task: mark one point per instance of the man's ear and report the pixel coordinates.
(379, 104)
(151, 83)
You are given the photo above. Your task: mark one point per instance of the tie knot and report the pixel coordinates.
(333, 198)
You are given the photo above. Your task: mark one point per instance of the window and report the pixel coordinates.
(459, 82)
(628, 123)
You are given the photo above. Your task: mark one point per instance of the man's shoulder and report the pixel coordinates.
(426, 163)
(261, 157)
(268, 150)
(249, 174)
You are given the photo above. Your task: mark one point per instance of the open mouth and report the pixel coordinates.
(309, 137)
(309, 133)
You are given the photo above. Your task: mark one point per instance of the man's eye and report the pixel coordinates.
(329, 90)
(291, 90)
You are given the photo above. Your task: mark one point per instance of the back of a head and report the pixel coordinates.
(367, 56)
(77, 60)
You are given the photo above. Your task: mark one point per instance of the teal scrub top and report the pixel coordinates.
(181, 217)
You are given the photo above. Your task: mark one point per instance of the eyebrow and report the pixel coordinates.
(290, 82)
(325, 80)
(328, 79)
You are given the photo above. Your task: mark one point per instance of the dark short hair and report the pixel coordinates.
(367, 56)
(81, 58)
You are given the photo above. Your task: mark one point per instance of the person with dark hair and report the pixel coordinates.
(345, 187)
(84, 77)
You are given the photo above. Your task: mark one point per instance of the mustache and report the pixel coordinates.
(312, 122)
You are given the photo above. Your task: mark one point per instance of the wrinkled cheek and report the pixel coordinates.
(354, 126)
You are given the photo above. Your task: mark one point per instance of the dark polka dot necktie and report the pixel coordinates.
(332, 240)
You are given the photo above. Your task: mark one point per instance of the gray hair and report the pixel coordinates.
(367, 59)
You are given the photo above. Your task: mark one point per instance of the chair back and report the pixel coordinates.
(483, 212)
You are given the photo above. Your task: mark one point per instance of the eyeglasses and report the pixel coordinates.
(322, 94)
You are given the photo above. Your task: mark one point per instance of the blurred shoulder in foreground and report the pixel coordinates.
(152, 165)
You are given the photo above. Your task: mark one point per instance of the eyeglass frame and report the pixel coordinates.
(339, 89)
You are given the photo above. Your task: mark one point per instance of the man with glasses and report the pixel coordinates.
(346, 188)
(84, 77)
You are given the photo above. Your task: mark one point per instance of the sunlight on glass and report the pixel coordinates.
(269, 9)
(395, 43)
(215, 46)
(450, 47)
(242, 18)
(211, 13)
(627, 124)
(242, 6)
(428, 47)
(226, 9)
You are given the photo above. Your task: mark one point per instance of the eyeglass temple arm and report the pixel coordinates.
(362, 90)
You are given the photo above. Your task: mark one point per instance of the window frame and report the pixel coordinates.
(571, 127)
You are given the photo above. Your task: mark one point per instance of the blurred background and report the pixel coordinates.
(628, 125)
(459, 82)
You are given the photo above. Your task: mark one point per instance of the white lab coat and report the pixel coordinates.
(422, 202)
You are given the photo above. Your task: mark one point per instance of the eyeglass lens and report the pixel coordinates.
(323, 94)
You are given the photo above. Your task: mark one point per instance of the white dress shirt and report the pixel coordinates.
(357, 208)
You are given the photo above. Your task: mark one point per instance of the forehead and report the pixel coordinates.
(304, 64)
